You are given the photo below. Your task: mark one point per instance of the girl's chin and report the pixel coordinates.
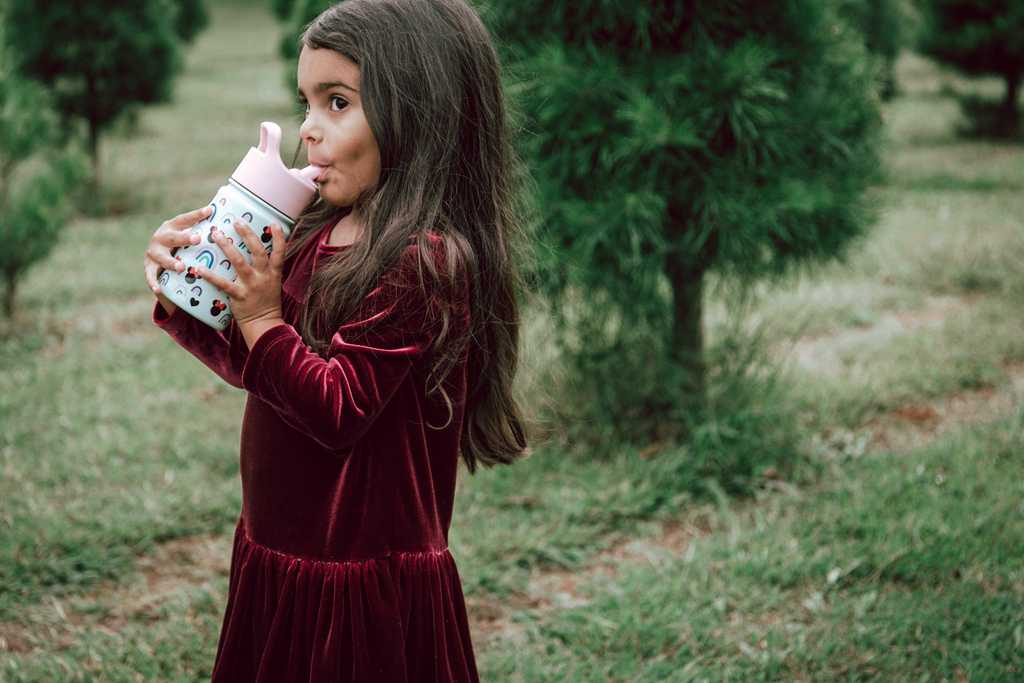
(331, 195)
(326, 193)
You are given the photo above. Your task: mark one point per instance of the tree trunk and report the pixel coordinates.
(9, 291)
(889, 89)
(1011, 113)
(94, 135)
(6, 172)
(94, 153)
(688, 331)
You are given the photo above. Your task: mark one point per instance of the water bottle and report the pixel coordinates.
(261, 191)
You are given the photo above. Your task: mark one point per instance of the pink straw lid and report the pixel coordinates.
(262, 172)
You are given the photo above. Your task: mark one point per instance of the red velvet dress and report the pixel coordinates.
(340, 569)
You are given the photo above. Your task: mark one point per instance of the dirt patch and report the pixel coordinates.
(12, 640)
(178, 564)
(549, 589)
(173, 567)
(826, 353)
(914, 425)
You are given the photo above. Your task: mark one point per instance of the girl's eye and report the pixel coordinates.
(337, 104)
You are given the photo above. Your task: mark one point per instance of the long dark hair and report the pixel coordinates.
(431, 91)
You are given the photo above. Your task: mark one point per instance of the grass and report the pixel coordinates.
(114, 441)
(899, 567)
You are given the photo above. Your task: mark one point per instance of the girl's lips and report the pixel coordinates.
(323, 169)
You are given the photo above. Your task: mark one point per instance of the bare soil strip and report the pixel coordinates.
(173, 567)
(825, 353)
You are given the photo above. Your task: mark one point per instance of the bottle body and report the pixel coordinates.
(192, 293)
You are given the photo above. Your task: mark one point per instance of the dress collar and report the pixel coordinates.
(299, 270)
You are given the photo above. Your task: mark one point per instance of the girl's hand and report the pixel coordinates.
(256, 293)
(170, 235)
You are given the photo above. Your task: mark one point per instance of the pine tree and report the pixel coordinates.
(282, 9)
(295, 15)
(38, 178)
(886, 26)
(674, 139)
(191, 19)
(980, 37)
(99, 58)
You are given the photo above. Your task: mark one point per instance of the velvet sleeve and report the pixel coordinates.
(336, 398)
(223, 352)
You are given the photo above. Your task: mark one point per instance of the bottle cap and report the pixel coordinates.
(262, 172)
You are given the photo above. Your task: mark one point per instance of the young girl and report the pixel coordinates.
(377, 345)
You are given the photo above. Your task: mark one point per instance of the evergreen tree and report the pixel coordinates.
(980, 37)
(37, 179)
(100, 58)
(191, 19)
(296, 15)
(282, 9)
(671, 140)
(886, 26)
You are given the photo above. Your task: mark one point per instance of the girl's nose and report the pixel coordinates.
(309, 132)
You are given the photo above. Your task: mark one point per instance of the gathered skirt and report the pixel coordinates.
(401, 617)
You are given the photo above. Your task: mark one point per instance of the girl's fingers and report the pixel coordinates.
(189, 218)
(224, 285)
(238, 261)
(256, 248)
(187, 239)
(153, 271)
(168, 261)
(227, 247)
(277, 255)
(180, 239)
(162, 258)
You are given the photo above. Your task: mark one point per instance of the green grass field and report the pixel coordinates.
(898, 562)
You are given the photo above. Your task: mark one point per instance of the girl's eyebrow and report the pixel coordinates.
(331, 84)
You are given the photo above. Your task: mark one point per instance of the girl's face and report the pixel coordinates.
(335, 129)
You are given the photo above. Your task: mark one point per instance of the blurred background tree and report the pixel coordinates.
(38, 178)
(887, 27)
(192, 19)
(294, 15)
(671, 140)
(980, 37)
(101, 59)
(282, 9)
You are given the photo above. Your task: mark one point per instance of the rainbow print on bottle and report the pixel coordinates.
(261, 191)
